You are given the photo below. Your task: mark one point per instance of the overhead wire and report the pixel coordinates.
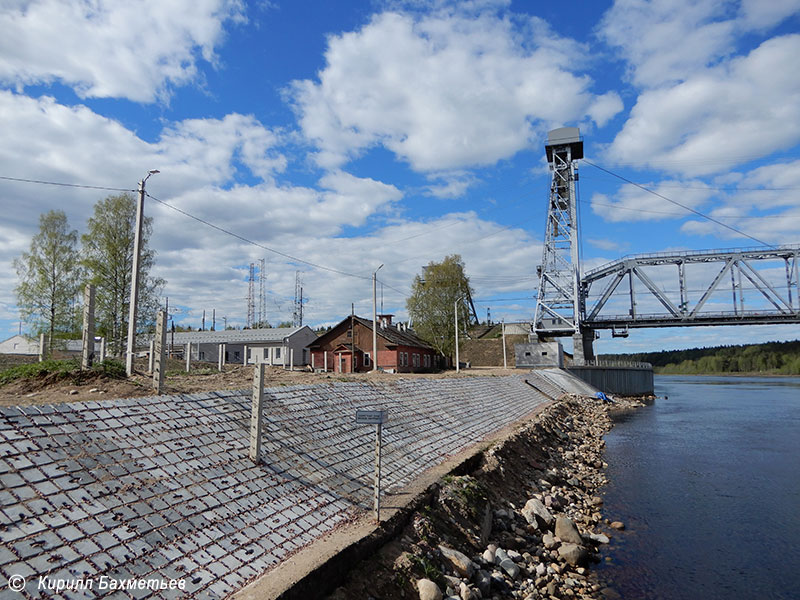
(689, 208)
(61, 184)
(254, 243)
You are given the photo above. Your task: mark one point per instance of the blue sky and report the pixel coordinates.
(352, 134)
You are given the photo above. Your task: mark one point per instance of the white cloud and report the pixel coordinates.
(107, 49)
(450, 185)
(609, 245)
(632, 203)
(198, 160)
(757, 14)
(444, 90)
(664, 40)
(732, 113)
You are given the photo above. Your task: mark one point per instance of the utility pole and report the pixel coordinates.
(137, 251)
(375, 319)
(352, 337)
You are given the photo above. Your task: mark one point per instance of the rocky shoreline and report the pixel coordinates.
(527, 523)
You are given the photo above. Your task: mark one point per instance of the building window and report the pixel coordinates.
(236, 355)
(277, 352)
(367, 359)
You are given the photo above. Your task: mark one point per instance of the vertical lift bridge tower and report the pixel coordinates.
(559, 302)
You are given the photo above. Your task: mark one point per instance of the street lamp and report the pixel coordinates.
(137, 250)
(375, 320)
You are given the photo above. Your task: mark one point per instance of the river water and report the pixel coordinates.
(707, 482)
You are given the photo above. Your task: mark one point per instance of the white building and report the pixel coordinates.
(19, 344)
(275, 346)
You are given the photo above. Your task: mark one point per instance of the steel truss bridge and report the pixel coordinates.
(710, 287)
(741, 286)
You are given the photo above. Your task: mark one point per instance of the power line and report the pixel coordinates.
(262, 246)
(674, 214)
(61, 184)
(692, 210)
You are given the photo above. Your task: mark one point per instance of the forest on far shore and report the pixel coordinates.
(775, 358)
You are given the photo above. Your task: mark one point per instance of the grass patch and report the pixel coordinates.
(69, 368)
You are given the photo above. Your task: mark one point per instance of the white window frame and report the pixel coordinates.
(367, 359)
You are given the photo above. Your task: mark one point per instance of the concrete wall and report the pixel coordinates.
(625, 381)
(539, 354)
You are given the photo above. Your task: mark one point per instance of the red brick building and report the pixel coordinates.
(348, 347)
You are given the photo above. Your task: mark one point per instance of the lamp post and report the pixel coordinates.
(137, 250)
(375, 320)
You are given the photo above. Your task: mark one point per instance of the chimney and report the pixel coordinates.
(385, 320)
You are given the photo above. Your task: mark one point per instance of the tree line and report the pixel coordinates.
(54, 271)
(780, 358)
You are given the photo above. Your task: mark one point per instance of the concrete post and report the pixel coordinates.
(87, 356)
(505, 358)
(283, 356)
(326, 361)
(312, 361)
(160, 347)
(224, 350)
(291, 359)
(102, 349)
(220, 356)
(377, 486)
(42, 346)
(256, 413)
(188, 352)
(151, 357)
(244, 358)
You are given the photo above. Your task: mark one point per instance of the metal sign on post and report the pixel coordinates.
(377, 418)
(372, 417)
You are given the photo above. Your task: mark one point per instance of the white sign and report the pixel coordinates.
(372, 417)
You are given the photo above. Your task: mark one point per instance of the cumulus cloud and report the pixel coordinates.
(444, 90)
(743, 109)
(763, 203)
(632, 203)
(107, 49)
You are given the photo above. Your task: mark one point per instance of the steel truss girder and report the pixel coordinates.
(785, 306)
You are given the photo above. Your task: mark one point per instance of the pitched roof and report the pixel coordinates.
(390, 333)
(232, 336)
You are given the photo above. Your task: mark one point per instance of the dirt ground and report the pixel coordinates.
(201, 378)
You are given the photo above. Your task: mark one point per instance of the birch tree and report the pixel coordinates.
(108, 260)
(50, 277)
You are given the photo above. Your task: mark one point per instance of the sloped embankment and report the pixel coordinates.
(526, 523)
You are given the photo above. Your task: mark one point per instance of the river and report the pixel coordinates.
(707, 482)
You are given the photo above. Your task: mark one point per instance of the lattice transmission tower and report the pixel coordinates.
(251, 306)
(262, 298)
(297, 315)
(558, 302)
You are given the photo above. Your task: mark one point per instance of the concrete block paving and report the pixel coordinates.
(162, 487)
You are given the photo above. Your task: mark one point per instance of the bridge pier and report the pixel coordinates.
(583, 347)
